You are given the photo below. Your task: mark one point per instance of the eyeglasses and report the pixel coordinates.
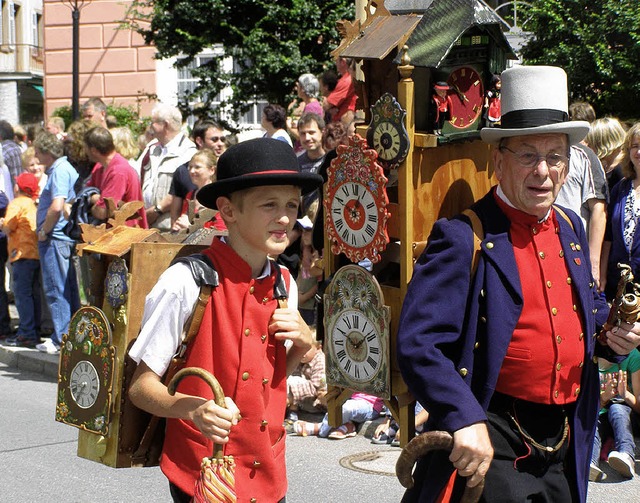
(216, 139)
(532, 159)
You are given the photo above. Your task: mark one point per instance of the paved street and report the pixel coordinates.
(38, 457)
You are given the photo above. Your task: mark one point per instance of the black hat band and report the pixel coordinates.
(520, 119)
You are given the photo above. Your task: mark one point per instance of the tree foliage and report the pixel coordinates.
(271, 42)
(597, 43)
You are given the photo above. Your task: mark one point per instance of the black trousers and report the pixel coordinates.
(520, 471)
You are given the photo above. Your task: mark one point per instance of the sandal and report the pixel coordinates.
(304, 428)
(347, 430)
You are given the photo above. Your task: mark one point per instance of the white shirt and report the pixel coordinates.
(167, 308)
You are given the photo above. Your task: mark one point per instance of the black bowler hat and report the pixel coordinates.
(253, 163)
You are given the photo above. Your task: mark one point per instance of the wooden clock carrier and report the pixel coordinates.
(441, 175)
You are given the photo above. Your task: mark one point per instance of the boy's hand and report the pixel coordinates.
(287, 324)
(215, 422)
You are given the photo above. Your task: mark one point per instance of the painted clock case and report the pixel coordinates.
(438, 179)
(142, 255)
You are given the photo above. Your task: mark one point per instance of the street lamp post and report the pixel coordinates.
(75, 6)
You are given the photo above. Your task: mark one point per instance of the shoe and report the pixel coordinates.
(622, 463)
(347, 430)
(48, 347)
(382, 439)
(305, 428)
(595, 473)
(21, 342)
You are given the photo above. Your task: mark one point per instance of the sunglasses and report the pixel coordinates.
(215, 139)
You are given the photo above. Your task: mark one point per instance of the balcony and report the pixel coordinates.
(21, 58)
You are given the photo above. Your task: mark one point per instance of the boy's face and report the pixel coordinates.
(261, 220)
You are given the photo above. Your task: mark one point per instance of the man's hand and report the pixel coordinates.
(624, 338)
(215, 422)
(472, 452)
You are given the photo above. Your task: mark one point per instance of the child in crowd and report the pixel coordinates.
(31, 164)
(389, 431)
(619, 399)
(357, 409)
(202, 171)
(307, 385)
(307, 281)
(247, 338)
(20, 225)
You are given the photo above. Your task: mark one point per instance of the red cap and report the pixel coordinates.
(28, 184)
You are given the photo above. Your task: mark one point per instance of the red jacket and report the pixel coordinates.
(250, 365)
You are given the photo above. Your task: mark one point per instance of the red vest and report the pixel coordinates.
(545, 356)
(234, 344)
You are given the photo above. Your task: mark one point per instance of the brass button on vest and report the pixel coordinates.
(252, 289)
(247, 331)
(463, 372)
(245, 376)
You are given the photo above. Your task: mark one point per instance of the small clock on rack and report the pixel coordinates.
(357, 332)
(387, 134)
(85, 377)
(356, 203)
(467, 98)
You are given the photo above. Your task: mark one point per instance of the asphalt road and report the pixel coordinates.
(38, 461)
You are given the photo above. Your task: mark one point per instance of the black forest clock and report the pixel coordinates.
(387, 134)
(467, 98)
(356, 203)
(357, 333)
(85, 377)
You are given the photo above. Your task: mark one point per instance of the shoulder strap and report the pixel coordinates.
(564, 215)
(478, 236)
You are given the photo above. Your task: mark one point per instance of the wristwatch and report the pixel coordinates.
(157, 209)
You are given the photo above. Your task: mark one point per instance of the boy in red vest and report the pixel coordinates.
(244, 339)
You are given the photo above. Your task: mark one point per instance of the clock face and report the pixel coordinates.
(84, 384)
(467, 96)
(357, 345)
(354, 214)
(386, 140)
(355, 202)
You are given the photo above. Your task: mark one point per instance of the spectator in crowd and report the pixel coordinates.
(56, 126)
(55, 248)
(307, 386)
(11, 154)
(111, 121)
(20, 137)
(582, 111)
(95, 110)
(334, 134)
(606, 137)
(206, 134)
(307, 89)
(75, 150)
(33, 130)
(389, 431)
(343, 98)
(310, 127)
(31, 164)
(125, 144)
(19, 224)
(169, 149)
(202, 170)
(5, 321)
(307, 278)
(274, 122)
(359, 408)
(328, 81)
(500, 350)
(622, 237)
(113, 176)
(618, 402)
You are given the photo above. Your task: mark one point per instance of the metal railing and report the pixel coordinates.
(21, 58)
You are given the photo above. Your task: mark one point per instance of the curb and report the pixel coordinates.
(30, 360)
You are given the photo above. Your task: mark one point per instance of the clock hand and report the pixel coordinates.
(461, 95)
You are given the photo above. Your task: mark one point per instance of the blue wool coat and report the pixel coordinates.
(454, 332)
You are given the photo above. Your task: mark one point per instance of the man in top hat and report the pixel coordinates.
(243, 332)
(502, 354)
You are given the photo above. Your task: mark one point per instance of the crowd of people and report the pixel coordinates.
(563, 216)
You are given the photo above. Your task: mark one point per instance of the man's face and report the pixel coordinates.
(531, 189)
(310, 137)
(159, 128)
(93, 115)
(46, 159)
(213, 139)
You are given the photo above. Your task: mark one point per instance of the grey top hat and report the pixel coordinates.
(534, 100)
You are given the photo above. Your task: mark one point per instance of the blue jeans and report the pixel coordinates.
(60, 284)
(617, 422)
(357, 411)
(26, 291)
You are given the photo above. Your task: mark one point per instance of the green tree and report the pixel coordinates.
(597, 43)
(271, 43)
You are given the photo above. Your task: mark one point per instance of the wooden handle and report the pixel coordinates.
(421, 445)
(213, 383)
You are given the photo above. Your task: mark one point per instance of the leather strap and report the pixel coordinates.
(478, 236)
